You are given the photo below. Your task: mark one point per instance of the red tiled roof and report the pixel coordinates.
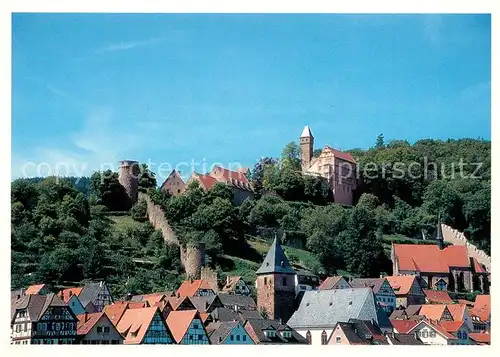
(457, 311)
(403, 326)
(230, 283)
(135, 323)
(478, 268)
(437, 296)
(480, 337)
(206, 181)
(179, 321)
(154, 298)
(465, 302)
(432, 312)
(87, 321)
(66, 294)
(190, 288)
(451, 326)
(483, 314)
(429, 258)
(341, 155)
(401, 284)
(329, 282)
(222, 174)
(34, 289)
(482, 302)
(115, 311)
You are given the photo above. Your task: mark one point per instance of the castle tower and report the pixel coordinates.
(439, 235)
(306, 148)
(276, 285)
(128, 176)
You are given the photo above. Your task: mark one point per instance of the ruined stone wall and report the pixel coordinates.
(210, 275)
(458, 238)
(157, 218)
(128, 176)
(193, 259)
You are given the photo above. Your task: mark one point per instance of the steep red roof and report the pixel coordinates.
(482, 302)
(222, 174)
(451, 326)
(403, 326)
(188, 288)
(429, 258)
(66, 294)
(87, 321)
(178, 322)
(478, 268)
(432, 312)
(135, 323)
(34, 289)
(436, 296)
(480, 337)
(340, 154)
(330, 282)
(401, 284)
(206, 181)
(457, 311)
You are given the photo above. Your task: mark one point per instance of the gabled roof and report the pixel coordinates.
(260, 325)
(34, 289)
(403, 326)
(90, 291)
(457, 311)
(189, 288)
(375, 284)
(340, 154)
(452, 326)
(433, 312)
(436, 327)
(220, 330)
(115, 311)
(437, 296)
(223, 174)
(330, 282)
(482, 302)
(401, 284)
(231, 283)
(275, 261)
(478, 268)
(173, 173)
(87, 321)
(242, 301)
(37, 305)
(367, 330)
(429, 258)
(135, 323)
(178, 322)
(324, 308)
(203, 303)
(66, 294)
(480, 337)
(206, 181)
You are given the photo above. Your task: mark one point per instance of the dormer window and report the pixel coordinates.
(270, 333)
(287, 334)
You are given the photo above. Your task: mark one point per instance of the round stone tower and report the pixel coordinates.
(128, 175)
(193, 259)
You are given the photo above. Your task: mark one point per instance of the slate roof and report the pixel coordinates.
(218, 331)
(225, 314)
(243, 302)
(36, 304)
(404, 339)
(306, 132)
(366, 330)
(375, 284)
(202, 303)
(89, 292)
(231, 283)
(324, 308)
(275, 261)
(258, 325)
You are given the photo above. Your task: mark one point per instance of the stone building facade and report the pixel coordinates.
(174, 184)
(337, 167)
(275, 285)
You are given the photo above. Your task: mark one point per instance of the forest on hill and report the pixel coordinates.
(63, 230)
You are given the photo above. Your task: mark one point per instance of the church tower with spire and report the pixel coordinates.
(306, 148)
(275, 285)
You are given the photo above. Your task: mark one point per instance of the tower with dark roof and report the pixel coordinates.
(276, 284)
(306, 148)
(439, 235)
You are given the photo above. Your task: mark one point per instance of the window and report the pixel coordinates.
(195, 326)
(105, 342)
(424, 333)
(99, 329)
(244, 338)
(232, 338)
(308, 337)
(114, 342)
(464, 335)
(237, 337)
(459, 335)
(337, 339)
(190, 337)
(106, 329)
(265, 281)
(323, 338)
(25, 327)
(284, 281)
(200, 337)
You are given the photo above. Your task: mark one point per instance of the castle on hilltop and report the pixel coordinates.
(337, 167)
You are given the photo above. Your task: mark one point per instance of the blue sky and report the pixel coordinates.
(92, 89)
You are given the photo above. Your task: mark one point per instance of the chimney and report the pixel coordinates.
(439, 235)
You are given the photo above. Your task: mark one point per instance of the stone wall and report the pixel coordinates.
(193, 259)
(157, 218)
(458, 238)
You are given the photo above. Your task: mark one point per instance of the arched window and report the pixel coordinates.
(324, 338)
(308, 337)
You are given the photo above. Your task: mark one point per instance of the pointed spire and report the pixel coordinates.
(306, 133)
(275, 260)
(439, 234)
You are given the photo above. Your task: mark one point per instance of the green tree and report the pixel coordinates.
(379, 144)
(147, 178)
(290, 156)
(110, 192)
